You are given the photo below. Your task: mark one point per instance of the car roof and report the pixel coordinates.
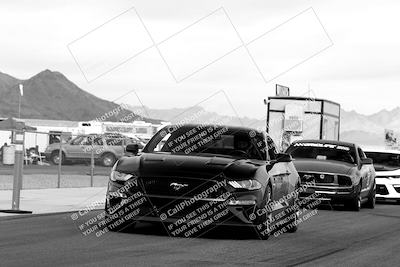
(333, 142)
(108, 134)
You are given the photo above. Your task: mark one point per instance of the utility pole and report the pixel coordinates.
(21, 93)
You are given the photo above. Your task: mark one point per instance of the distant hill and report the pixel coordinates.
(363, 138)
(198, 114)
(355, 127)
(367, 129)
(50, 95)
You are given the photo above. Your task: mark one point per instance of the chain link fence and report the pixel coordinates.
(62, 160)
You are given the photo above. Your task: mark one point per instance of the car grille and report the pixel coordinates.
(181, 187)
(175, 208)
(317, 178)
(177, 196)
(381, 190)
(320, 178)
(344, 180)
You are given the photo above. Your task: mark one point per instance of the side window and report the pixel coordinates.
(77, 140)
(129, 141)
(163, 145)
(272, 151)
(114, 141)
(98, 141)
(361, 153)
(86, 141)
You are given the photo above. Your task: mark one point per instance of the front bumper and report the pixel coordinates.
(338, 194)
(386, 191)
(229, 208)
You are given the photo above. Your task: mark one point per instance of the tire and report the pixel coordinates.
(262, 234)
(112, 225)
(293, 226)
(32, 150)
(108, 159)
(117, 224)
(355, 203)
(371, 199)
(55, 157)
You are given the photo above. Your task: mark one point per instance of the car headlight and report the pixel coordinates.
(245, 184)
(119, 176)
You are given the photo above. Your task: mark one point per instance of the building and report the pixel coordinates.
(48, 131)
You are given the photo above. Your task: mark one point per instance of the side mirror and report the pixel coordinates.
(366, 161)
(283, 157)
(132, 148)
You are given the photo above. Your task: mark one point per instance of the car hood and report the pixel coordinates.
(159, 165)
(324, 166)
(387, 173)
(387, 180)
(388, 177)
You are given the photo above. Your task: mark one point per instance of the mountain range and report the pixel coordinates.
(50, 95)
(355, 127)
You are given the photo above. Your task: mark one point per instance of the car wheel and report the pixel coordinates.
(108, 160)
(55, 157)
(262, 224)
(32, 150)
(117, 223)
(293, 225)
(355, 204)
(371, 199)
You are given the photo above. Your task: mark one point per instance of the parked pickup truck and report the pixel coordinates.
(107, 148)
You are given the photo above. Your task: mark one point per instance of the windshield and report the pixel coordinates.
(385, 161)
(322, 152)
(209, 140)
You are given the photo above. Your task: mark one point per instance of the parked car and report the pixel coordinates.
(236, 169)
(387, 167)
(107, 148)
(341, 171)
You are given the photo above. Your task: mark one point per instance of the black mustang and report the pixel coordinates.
(192, 177)
(341, 172)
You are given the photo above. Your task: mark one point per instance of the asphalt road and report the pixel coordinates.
(330, 238)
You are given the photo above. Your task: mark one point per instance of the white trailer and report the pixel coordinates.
(294, 118)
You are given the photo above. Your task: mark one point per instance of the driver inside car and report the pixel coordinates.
(245, 146)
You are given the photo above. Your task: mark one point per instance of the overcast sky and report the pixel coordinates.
(345, 51)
